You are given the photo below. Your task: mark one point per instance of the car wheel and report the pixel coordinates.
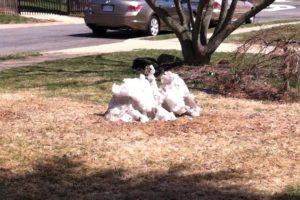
(153, 26)
(99, 30)
(250, 21)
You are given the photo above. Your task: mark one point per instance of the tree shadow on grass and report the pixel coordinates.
(117, 34)
(63, 178)
(53, 75)
(96, 67)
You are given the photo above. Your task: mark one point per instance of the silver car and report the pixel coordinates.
(101, 15)
(242, 7)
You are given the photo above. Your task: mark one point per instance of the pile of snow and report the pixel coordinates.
(140, 99)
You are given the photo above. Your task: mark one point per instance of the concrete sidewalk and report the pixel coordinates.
(133, 44)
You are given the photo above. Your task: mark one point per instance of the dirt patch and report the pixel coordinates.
(238, 149)
(8, 115)
(250, 82)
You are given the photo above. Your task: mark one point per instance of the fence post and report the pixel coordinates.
(61, 10)
(18, 6)
(68, 7)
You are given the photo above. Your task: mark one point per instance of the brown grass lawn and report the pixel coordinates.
(55, 148)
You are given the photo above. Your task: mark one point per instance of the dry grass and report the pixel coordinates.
(54, 148)
(16, 56)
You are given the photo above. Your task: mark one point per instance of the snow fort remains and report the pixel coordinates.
(140, 99)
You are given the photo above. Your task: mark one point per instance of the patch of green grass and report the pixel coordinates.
(21, 55)
(90, 78)
(163, 36)
(279, 32)
(87, 78)
(15, 19)
(291, 193)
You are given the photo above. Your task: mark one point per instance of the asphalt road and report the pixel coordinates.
(280, 10)
(49, 38)
(59, 37)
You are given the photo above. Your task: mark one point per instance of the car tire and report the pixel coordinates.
(153, 26)
(99, 30)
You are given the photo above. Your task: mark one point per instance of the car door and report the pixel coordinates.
(168, 5)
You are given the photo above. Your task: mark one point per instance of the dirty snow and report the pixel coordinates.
(140, 99)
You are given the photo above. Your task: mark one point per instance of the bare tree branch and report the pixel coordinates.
(191, 14)
(251, 13)
(222, 16)
(164, 15)
(180, 13)
(224, 32)
(205, 23)
(229, 15)
(196, 48)
(196, 31)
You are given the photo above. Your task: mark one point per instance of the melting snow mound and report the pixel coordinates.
(140, 99)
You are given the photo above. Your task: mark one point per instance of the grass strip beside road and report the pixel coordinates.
(18, 56)
(274, 33)
(15, 19)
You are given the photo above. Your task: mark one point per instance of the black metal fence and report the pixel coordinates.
(62, 7)
(76, 7)
(8, 7)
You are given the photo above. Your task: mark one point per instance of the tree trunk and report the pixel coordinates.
(194, 56)
(197, 49)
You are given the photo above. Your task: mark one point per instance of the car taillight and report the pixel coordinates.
(216, 5)
(134, 8)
